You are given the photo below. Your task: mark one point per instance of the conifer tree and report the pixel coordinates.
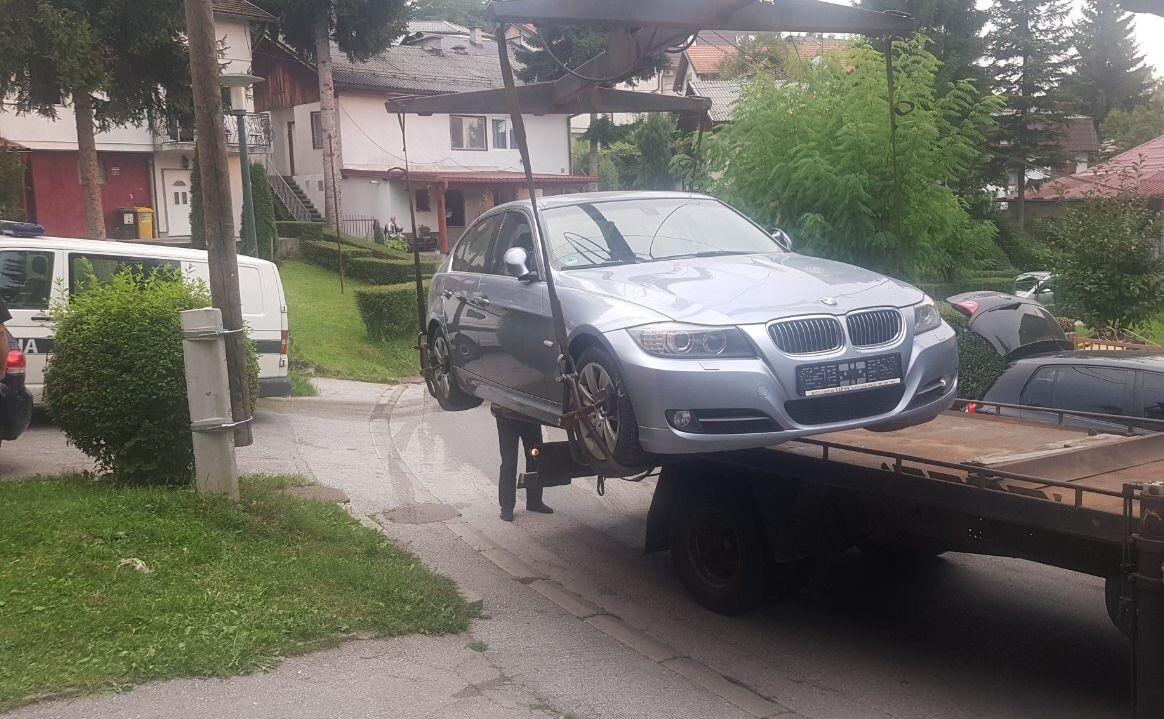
(1109, 69)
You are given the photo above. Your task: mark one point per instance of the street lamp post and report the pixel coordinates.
(238, 84)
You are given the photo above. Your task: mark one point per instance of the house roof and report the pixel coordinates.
(436, 27)
(1078, 135)
(1140, 168)
(722, 93)
(809, 46)
(705, 58)
(242, 8)
(10, 146)
(419, 70)
(472, 177)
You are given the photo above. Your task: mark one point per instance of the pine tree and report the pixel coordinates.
(954, 28)
(1109, 69)
(118, 62)
(1028, 48)
(468, 13)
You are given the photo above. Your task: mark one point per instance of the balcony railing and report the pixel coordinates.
(176, 135)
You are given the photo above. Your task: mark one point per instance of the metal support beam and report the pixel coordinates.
(539, 99)
(691, 15)
(1148, 588)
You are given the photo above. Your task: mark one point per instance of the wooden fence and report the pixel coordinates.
(1088, 343)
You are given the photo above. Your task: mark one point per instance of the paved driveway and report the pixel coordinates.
(969, 637)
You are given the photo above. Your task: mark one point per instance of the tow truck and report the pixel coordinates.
(743, 525)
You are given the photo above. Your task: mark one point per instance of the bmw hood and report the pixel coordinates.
(743, 289)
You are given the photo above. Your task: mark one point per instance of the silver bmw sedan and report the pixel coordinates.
(697, 330)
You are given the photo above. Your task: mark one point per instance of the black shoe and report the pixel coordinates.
(506, 515)
(540, 507)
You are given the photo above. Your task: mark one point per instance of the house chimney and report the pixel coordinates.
(475, 36)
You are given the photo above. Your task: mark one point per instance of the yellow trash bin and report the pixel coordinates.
(145, 223)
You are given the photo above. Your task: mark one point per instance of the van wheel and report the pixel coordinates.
(442, 385)
(613, 445)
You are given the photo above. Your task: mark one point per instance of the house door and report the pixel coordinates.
(291, 147)
(177, 202)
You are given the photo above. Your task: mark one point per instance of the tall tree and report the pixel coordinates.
(1124, 129)
(468, 13)
(360, 29)
(558, 47)
(1029, 63)
(118, 62)
(954, 28)
(1109, 69)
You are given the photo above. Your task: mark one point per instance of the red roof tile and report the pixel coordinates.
(1140, 168)
(705, 59)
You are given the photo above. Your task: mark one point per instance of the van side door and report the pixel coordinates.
(26, 284)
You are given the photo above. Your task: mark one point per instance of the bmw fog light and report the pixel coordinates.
(680, 418)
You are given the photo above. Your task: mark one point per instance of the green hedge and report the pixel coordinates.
(978, 364)
(300, 230)
(388, 310)
(379, 271)
(325, 254)
(376, 250)
(942, 290)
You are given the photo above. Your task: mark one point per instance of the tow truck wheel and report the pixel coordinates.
(442, 385)
(722, 556)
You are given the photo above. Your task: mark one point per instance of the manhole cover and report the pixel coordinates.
(421, 513)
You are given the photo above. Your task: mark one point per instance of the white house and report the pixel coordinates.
(461, 164)
(141, 166)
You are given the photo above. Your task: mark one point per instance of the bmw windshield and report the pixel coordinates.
(619, 232)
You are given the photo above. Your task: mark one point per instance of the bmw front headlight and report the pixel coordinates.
(692, 341)
(925, 316)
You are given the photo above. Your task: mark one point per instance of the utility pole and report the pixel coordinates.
(210, 132)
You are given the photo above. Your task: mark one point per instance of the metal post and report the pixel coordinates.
(208, 396)
(1148, 589)
(250, 239)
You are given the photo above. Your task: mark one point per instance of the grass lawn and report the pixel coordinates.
(327, 334)
(231, 587)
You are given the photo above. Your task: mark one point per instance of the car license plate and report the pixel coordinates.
(848, 376)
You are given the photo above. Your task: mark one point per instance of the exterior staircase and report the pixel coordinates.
(294, 204)
(304, 200)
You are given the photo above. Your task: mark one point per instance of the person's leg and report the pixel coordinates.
(507, 436)
(531, 436)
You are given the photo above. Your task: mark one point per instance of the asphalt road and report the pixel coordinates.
(966, 636)
(963, 637)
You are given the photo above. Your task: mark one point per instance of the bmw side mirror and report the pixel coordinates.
(515, 263)
(782, 239)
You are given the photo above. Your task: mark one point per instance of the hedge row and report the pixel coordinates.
(377, 250)
(325, 254)
(979, 365)
(311, 231)
(388, 310)
(378, 271)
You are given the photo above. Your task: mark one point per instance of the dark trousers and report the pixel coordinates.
(508, 432)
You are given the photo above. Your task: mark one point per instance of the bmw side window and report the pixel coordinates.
(26, 279)
(515, 232)
(472, 251)
(1092, 389)
(1040, 388)
(1152, 398)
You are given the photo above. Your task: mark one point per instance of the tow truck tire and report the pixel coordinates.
(721, 554)
(443, 385)
(596, 370)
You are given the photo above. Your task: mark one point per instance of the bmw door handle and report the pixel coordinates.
(482, 301)
(446, 294)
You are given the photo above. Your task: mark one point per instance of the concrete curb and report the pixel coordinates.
(575, 604)
(636, 639)
(717, 684)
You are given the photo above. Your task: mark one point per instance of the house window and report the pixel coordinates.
(503, 138)
(467, 132)
(316, 130)
(422, 201)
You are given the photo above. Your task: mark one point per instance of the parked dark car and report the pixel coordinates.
(1130, 384)
(15, 400)
(1015, 327)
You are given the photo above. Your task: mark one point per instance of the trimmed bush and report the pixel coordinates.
(325, 254)
(380, 251)
(301, 230)
(388, 310)
(263, 199)
(978, 364)
(117, 382)
(378, 271)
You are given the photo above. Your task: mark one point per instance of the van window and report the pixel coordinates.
(26, 279)
(86, 268)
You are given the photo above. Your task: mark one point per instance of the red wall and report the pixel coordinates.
(56, 187)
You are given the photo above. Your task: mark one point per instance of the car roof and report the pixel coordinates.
(1131, 359)
(581, 198)
(119, 248)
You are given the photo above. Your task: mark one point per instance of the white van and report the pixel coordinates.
(37, 271)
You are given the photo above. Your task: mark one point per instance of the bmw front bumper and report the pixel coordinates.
(765, 386)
